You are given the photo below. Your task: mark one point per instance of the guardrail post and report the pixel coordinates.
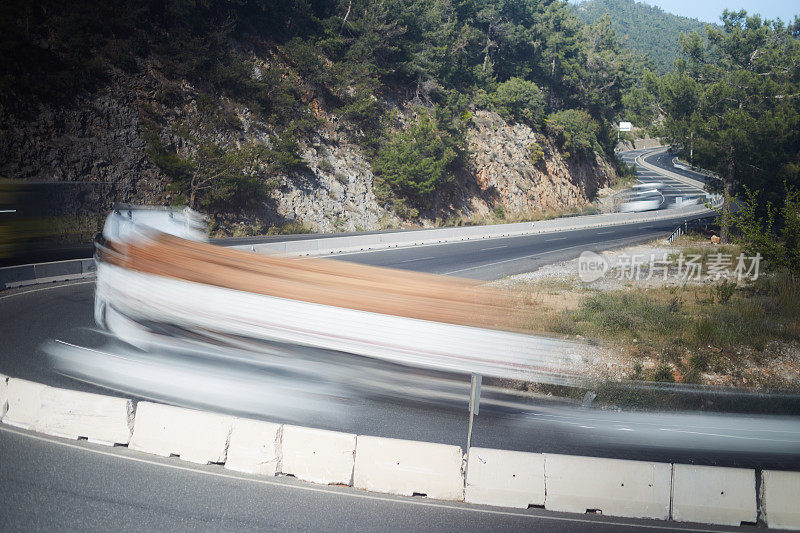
(474, 408)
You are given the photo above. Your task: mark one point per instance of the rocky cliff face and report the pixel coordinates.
(96, 140)
(505, 163)
(100, 139)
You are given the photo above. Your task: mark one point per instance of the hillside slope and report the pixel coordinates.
(642, 27)
(332, 115)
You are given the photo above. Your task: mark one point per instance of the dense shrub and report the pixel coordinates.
(415, 162)
(575, 131)
(214, 177)
(535, 153)
(773, 233)
(519, 100)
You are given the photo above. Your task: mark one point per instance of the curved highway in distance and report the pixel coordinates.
(40, 472)
(662, 158)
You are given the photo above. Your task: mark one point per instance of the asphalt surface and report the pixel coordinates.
(84, 489)
(45, 485)
(489, 259)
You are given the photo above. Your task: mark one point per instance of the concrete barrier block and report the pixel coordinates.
(17, 276)
(57, 269)
(780, 495)
(713, 495)
(318, 455)
(615, 487)
(74, 414)
(254, 447)
(3, 395)
(409, 467)
(24, 403)
(195, 436)
(505, 478)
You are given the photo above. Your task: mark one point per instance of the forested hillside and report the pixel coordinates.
(642, 27)
(731, 105)
(262, 107)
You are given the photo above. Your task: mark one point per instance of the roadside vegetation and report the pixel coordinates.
(499, 216)
(730, 106)
(741, 333)
(717, 334)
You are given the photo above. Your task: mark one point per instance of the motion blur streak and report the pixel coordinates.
(195, 324)
(297, 339)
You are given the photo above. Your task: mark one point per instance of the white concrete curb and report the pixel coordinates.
(715, 495)
(780, 497)
(634, 489)
(70, 414)
(195, 436)
(504, 478)
(255, 447)
(409, 467)
(318, 455)
(23, 275)
(3, 395)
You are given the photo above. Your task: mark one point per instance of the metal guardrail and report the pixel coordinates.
(708, 173)
(442, 235)
(684, 228)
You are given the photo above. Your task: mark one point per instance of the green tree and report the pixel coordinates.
(773, 233)
(415, 163)
(733, 105)
(639, 105)
(214, 177)
(643, 28)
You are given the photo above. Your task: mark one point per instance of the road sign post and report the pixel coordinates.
(474, 406)
(623, 126)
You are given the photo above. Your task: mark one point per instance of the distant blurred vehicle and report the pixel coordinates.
(641, 188)
(41, 222)
(641, 199)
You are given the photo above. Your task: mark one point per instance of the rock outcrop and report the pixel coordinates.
(100, 139)
(504, 162)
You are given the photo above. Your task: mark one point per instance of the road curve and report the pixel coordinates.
(30, 317)
(49, 484)
(102, 489)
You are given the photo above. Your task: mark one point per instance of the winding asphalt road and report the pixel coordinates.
(84, 482)
(672, 188)
(49, 484)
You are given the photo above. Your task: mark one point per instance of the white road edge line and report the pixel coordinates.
(531, 255)
(417, 259)
(66, 284)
